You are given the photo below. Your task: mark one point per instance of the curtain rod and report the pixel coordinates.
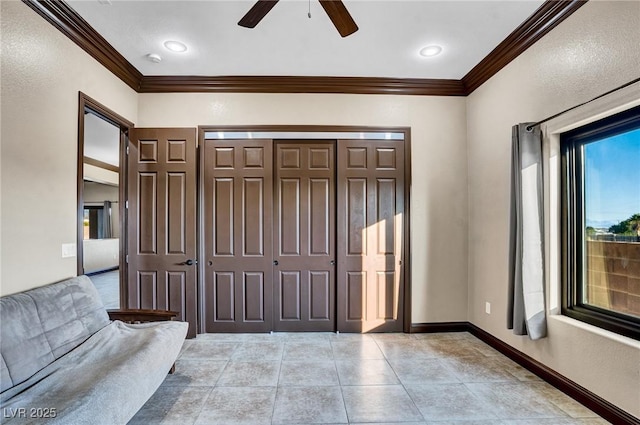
(530, 127)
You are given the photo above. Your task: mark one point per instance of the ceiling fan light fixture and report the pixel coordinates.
(175, 46)
(430, 51)
(335, 9)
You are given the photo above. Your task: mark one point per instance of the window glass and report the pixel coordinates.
(601, 223)
(611, 208)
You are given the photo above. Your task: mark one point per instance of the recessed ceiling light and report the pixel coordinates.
(430, 51)
(175, 46)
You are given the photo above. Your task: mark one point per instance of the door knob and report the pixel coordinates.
(275, 262)
(189, 262)
(332, 262)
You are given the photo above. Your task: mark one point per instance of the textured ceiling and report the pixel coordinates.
(287, 42)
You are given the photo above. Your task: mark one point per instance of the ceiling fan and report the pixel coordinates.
(336, 10)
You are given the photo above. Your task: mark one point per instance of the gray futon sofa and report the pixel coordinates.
(63, 361)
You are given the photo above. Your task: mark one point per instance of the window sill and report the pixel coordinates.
(621, 339)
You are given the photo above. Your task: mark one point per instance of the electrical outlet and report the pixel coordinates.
(68, 250)
(487, 307)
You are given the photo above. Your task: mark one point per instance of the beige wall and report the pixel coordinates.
(100, 254)
(593, 51)
(101, 175)
(42, 72)
(438, 193)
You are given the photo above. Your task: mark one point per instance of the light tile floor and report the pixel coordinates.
(108, 286)
(326, 378)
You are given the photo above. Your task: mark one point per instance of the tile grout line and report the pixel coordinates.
(215, 385)
(275, 397)
(344, 403)
(400, 381)
(203, 404)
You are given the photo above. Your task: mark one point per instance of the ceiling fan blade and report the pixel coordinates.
(340, 16)
(256, 13)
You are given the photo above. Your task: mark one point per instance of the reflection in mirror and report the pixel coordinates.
(101, 221)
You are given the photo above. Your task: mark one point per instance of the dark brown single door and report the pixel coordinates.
(162, 221)
(304, 237)
(370, 228)
(238, 225)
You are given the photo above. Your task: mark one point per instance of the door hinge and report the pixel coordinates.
(127, 150)
(126, 259)
(126, 204)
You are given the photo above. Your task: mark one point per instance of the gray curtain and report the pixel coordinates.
(106, 221)
(526, 313)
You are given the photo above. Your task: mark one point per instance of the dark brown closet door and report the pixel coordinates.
(304, 237)
(238, 208)
(370, 227)
(162, 221)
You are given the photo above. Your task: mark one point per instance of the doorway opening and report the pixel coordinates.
(102, 135)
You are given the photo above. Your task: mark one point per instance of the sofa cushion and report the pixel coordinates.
(42, 324)
(106, 380)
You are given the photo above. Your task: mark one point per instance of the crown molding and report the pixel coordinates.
(62, 16)
(543, 20)
(297, 84)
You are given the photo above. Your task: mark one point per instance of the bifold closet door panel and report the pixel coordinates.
(370, 230)
(237, 202)
(304, 236)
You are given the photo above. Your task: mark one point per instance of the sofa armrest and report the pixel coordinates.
(141, 316)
